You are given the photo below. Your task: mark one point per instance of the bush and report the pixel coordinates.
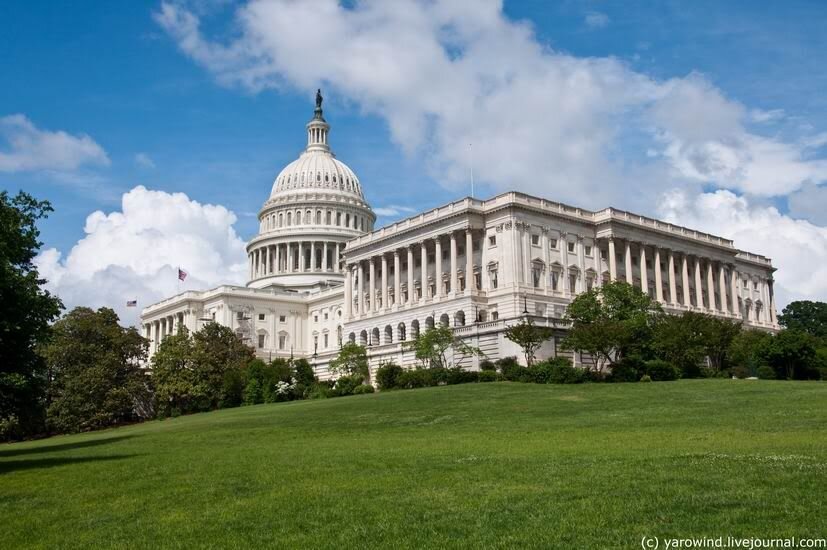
(766, 373)
(660, 371)
(415, 378)
(645, 378)
(345, 385)
(511, 370)
(363, 388)
(387, 376)
(487, 365)
(487, 376)
(558, 370)
(740, 371)
(437, 376)
(628, 369)
(458, 375)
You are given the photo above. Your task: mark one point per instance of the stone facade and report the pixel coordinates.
(320, 275)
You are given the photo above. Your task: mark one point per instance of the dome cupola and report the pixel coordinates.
(315, 206)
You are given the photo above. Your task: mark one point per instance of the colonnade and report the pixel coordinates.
(691, 280)
(418, 286)
(157, 330)
(295, 257)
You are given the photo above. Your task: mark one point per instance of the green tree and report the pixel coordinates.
(792, 353)
(805, 316)
(173, 376)
(529, 337)
(431, 346)
(352, 360)
(97, 378)
(686, 340)
(718, 335)
(611, 322)
(749, 348)
(25, 313)
(216, 350)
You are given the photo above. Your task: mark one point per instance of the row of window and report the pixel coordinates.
(328, 217)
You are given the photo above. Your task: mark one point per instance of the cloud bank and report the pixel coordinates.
(135, 253)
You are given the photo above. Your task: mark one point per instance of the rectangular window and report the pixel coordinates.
(260, 341)
(555, 277)
(588, 251)
(282, 318)
(261, 316)
(494, 315)
(552, 243)
(492, 240)
(315, 318)
(325, 316)
(325, 341)
(570, 246)
(282, 339)
(493, 276)
(535, 240)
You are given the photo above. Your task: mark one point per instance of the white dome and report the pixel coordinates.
(316, 170)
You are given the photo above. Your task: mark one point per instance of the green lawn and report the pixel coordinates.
(503, 465)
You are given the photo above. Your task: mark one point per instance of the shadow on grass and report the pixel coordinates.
(15, 451)
(7, 466)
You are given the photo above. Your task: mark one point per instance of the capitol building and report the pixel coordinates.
(321, 274)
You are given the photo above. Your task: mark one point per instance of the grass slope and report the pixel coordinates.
(590, 466)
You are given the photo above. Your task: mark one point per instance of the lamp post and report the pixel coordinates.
(525, 305)
(315, 356)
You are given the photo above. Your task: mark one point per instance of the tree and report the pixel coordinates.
(792, 353)
(25, 313)
(528, 336)
(173, 375)
(352, 360)
(685, 340)
(805, 316)
(749, 348)
(96, 375)
(216, 350)
(430, 347)
(717, 337)
(611, 322)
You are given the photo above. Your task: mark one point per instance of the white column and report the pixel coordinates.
(581, 263)
(266, 260)
(250, 265)
(771, 290)
(644, 273)
(360, 287)
(438, 265)
(278, 258)
(658, 277)
(734, 291)
(348, 292)
(336, 259)
(372, 284)
(289, 257)
(699, 287)
(612, 260)
(685, 280)
(630, 276)
(722, 288)
(598, 267)
(564, 258)
(710, 285)
(673, 287)
(410, 275)
(312, 255)
(324, 256)
(454, 282)
(397, 282)
(301, 259)
(423, 274)
(469, 260)
(385, 301)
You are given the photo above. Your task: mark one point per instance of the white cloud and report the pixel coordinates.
(135, 253)
(393, 211)
(447, 73)
(143, 160)
(760, 116)
(596, 20)
(797, 246)
(30, 148)
(810, 203)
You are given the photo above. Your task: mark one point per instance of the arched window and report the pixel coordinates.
(347, 220)
(444, 320)
(374, 337)
(281, 219)
(319, 217)
(338, 219)
(328, 218)
(298, 217)
(402, 335)
(308, 219)
(388, 335)
(289, 218)
(459, 319)
(363, 338)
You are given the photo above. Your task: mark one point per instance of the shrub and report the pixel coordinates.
(766, 373)
(487, 365)
(739, 371)
(437, 376)
(558, 370)
(320, 390)
(645, 378)
(387, 376)
(458, 375)
(415, 378)
(487, 376)
(512, 370)
(363, 388)
(628, 369)
(345, 385)
(660, 371)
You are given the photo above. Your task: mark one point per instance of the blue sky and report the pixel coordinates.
(179, 118)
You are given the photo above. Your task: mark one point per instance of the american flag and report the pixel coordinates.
(181, 274)
(131, 303)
